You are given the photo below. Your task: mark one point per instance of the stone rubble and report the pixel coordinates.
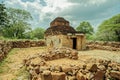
(111, 46)
(95, 69)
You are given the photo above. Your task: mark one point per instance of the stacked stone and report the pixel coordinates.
(27, 43)
(93, 70)
(58, 53)
(5, 47)
(111, 46)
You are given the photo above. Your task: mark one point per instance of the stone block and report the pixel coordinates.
(46, 75)
(115, 74)
(66, 69)
(92, 67)
(80, 76)
(99, 75)
(58, 76)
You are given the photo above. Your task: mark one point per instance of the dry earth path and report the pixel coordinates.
(12, 68)
(100, 54)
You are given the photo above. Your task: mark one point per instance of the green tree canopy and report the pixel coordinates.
(3, 17)
(37, 33)
(18, 23)
(109, 30)
(85, 27)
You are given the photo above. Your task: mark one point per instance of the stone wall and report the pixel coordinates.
(92, 69)
(111, 46)
(27, 43)
(65, 41)
(53, 41)
(6, 46)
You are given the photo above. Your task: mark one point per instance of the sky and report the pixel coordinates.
(75, 11)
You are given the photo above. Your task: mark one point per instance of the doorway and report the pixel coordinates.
(74, 43)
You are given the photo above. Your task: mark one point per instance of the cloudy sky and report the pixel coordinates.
(76, 11)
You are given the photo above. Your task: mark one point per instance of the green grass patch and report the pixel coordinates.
(3, 64)
(22, 74)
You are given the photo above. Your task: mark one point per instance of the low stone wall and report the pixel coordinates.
(6, 46)
(111, 46)
(57, 53)
(92, 69)
(40, 70)
(27, 43)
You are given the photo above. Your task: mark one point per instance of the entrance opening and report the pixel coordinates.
(74, 43)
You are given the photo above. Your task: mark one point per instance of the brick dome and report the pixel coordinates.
(59, 26)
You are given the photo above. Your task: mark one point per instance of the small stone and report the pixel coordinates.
(99, 75)
(71, 78)
(92, 67)
(102, 67)
(80, 76)
(115, 74)
(46, 75)
(46, 72)
(66, 68)
(74, 53)
(58, 76)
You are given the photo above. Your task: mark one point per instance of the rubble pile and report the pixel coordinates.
(92, 69)
(58, 53)
(111, 46)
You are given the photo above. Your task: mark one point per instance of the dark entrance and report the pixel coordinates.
(74, 43)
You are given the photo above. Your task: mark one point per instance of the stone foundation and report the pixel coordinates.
(93, 69)
(6, 46)
(27, 44)
(111, 46)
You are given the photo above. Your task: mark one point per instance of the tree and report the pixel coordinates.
(86, 28)
(18, 23)
(3, 17)
(109, 30)
(37, 33)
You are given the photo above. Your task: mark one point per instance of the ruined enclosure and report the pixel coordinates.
(61, 60)
(61, 34)
(65, 63)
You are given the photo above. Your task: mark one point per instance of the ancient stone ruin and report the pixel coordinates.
(6, 46)
(61, 34)
(61, 61)
(42, 66)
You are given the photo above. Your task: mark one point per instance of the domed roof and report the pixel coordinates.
(60, 19)
(59, 26)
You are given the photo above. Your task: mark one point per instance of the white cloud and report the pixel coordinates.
(73, 10)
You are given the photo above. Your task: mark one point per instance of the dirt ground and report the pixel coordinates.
(12, 68)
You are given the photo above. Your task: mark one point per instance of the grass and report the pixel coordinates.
(22, 74)
(3, 64)
(11, 68)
